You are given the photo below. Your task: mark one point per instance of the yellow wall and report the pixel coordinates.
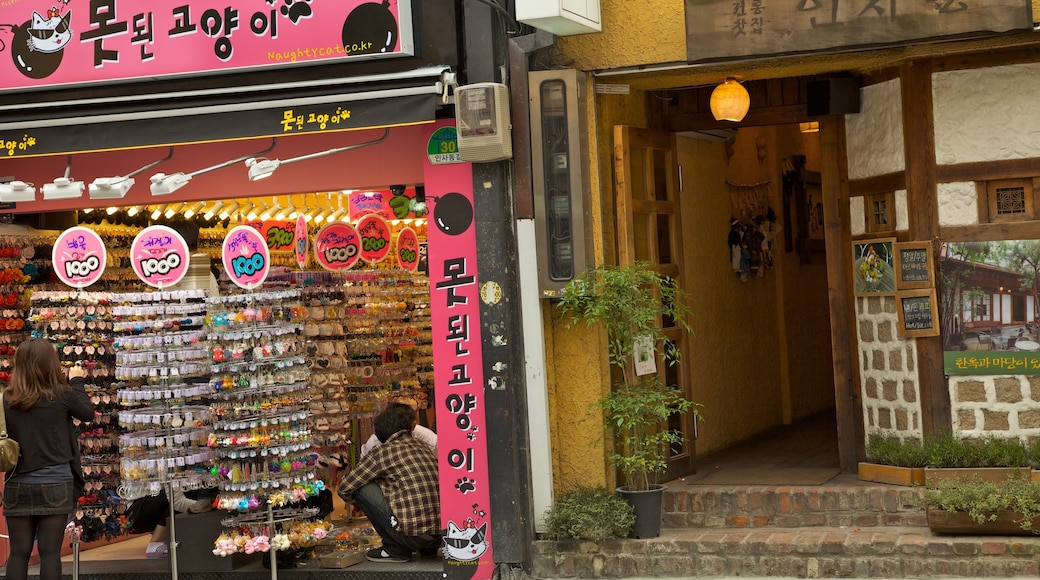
(634, 32)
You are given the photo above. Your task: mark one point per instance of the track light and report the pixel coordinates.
(16, 191)
(229, 210)
(116, 187)
(163, 184)
(64, 187)
(262, 167)
(158, 212)
(280, 214)
(214, 209)
(112, 210)
(339, 213)
(172, 210)
(193, 209)
(133, 210)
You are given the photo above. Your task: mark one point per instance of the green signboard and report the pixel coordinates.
(991, 363)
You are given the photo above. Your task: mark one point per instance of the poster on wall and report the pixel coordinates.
(60, 42)
(462, 449)
(375, 238)
(245, 256)
(872, 270)
(989, 293)
(337, 246)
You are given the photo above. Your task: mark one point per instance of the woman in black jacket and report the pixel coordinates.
(39, 493)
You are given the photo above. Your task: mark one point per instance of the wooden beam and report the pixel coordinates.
(922, 200)
(877, 184)
(994, 232)
(784, 115)
(837, 231)
(989, 170)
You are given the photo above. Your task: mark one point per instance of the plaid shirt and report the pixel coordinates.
(406, 471)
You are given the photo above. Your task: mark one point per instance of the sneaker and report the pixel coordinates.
(157, 550)
(381, 555)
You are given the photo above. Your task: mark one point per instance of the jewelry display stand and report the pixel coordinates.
(162, 364)
(262, 435)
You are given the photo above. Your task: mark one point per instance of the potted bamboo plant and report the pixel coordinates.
(629, 302)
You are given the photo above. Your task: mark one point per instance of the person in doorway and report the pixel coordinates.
(396, 487)
(40, 492)
(201, 275)
(418, 431)
(150, 513)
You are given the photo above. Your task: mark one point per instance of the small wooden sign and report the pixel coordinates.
(914, 265)
(918, 313)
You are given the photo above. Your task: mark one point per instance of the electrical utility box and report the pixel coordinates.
(561, 17)
(560, 166)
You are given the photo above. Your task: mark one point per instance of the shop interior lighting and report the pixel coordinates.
(270, 211)
(116, 187)
(172, 210)
(280, 214)
(158, 212)
(88, 209)
(258, 211)
(262, 167)
(229, 210)
(64, 187)
(293, 211)
(163, 184)
(133, 210)
(339, 213)
(729, 101)
(193, 209)
(214, 209)
(810, 127)
(112, 210)
(323, 212)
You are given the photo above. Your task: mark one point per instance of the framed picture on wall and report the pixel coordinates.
(918, 313)
(873, 269)
(914, 264)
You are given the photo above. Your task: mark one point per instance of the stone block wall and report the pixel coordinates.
(1007, 407)
(888, 375)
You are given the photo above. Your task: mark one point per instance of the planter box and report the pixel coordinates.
(891, 474)
(1006, 524)
(932, 475)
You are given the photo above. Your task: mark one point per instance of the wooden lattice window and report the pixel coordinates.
(880, 212)
(1010, 200)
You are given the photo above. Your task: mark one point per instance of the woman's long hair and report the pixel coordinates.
(36, 374)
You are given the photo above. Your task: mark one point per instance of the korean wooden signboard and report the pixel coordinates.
(918, 313)
(914, 265)
(718, 30)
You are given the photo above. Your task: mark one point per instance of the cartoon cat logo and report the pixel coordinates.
(466, 544)
(50, 34)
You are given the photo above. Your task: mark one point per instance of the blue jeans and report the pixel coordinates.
(372, 502)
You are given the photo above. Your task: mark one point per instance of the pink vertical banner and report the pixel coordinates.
(459, 374)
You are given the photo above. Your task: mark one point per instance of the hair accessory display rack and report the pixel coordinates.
(261, 432)
(162, 365)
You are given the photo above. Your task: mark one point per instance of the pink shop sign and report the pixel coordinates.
(66, 42)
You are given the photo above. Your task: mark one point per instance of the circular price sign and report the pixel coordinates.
(301, 243)
(337, 246)
(375, 238)
(246, 258)
(159, 256)
(408, 249)
(79, 257)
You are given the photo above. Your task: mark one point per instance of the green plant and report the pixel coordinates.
(984, 500)
(891, 450)
(630, 303)
(590, 513)
(948, 450)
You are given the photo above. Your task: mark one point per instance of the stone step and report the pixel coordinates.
(758, 506)
(821, 552)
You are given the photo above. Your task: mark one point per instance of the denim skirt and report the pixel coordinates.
(38, 499)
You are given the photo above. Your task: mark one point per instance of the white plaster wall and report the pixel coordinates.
(902, 211)
(986, 114)
(958, 204)
(858, 215)
(875, 134)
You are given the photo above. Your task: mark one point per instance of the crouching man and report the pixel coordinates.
(395, 485)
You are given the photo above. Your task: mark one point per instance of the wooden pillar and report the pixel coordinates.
(838, 239)
(915, 79)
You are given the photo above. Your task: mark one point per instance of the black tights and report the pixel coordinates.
(48, 532)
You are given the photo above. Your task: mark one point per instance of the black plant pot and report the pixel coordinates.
(648, 505)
